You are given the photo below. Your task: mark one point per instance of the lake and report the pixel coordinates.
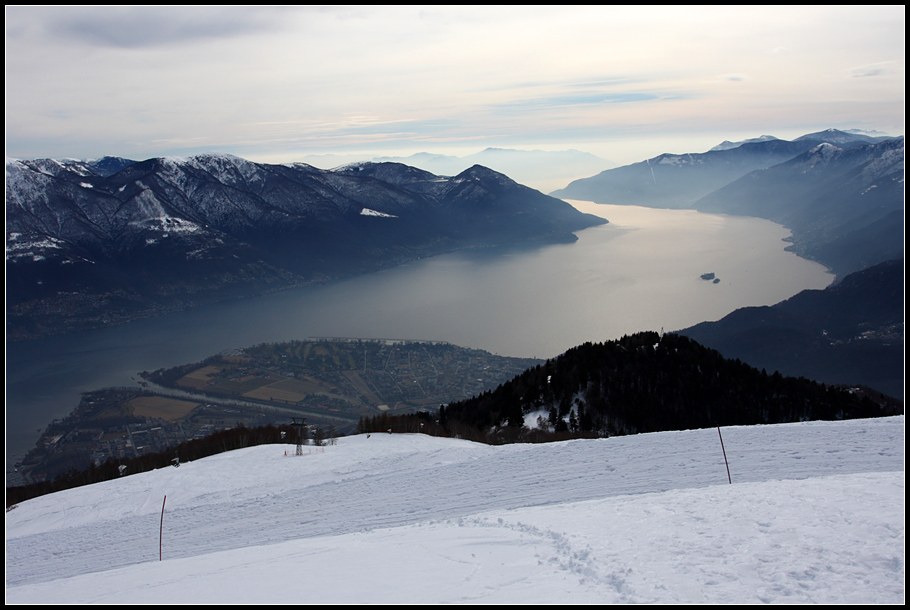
(640, 272)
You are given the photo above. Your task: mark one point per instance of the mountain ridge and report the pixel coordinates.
(173, 231)
(840, 203)
(840, 193)
(642, 183)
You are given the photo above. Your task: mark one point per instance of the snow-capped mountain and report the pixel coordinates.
(814, 514)
(678, 180)
(850, 137)
(168, 231)
(841, 193)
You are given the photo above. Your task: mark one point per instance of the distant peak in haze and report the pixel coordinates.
(540, 169)
(837, 136)
(727, 144)
(869, 132)
(484, 174)
(831, 135)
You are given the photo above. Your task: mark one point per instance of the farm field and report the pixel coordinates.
(353, 377)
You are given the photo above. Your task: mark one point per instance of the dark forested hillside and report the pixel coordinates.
(649, 383)
(851, 332)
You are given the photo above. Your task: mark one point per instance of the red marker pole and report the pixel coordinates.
(161, 529)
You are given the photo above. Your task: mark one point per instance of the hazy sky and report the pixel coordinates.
(276, 84)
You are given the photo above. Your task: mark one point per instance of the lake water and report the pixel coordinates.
(640, 272)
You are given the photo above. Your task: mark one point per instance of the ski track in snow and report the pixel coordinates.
(591, 520)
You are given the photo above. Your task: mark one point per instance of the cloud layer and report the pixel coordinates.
(273, 83)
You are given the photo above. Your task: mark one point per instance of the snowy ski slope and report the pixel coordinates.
(815, 514)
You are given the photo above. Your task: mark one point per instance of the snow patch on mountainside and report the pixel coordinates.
(169, 224)
(21, 246)
(822, 154)
(891, 160)
(369, 212)
(147, 205)
(686, 159)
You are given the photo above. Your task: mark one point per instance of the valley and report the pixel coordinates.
(440, 304)
(509, 284)
(640, 271)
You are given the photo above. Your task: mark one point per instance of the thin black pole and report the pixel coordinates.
(161, 529)
(725, 455)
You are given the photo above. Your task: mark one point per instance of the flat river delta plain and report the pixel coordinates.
(332, 383)
(256, 362)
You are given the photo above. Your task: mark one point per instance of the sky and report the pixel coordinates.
(278, 84)
(814, 514)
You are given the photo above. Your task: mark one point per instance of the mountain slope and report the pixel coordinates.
(87, 243)
(844, 205)
(840, 193)
(850, 333)
(814, 515)
(679, 180)
(538, 168)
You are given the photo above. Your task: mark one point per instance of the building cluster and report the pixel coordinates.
(82, 443)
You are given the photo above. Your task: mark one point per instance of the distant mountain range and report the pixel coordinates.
(849, 333)
(544, 170)
(680, 180)
(89, 243)
(541, 169)
(841, 193)
(849, 137)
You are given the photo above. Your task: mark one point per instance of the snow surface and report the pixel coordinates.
(815, 514)
(369, 212)
(28, 246)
